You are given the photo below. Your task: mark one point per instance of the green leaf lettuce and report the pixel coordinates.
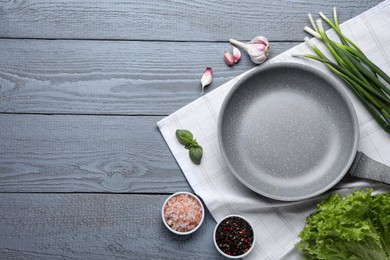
(354, 227)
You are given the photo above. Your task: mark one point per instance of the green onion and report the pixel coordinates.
(368, 82)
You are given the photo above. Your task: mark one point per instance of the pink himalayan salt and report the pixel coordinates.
(182, 213)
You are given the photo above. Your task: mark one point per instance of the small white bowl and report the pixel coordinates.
(178, 232)
(231, 256)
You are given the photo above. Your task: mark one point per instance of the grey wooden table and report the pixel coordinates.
(83, 168)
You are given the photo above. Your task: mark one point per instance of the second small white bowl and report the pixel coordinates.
(230, 256)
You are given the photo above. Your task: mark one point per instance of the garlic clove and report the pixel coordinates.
(207, 77)
(236, 54)
(228, 58)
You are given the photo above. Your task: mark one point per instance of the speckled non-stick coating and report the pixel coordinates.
(288, 131)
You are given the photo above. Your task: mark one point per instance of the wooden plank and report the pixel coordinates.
(51, 153)
(95, 226)
(167, 20)
(116, 77)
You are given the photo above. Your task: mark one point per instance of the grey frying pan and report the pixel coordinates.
(289, 132)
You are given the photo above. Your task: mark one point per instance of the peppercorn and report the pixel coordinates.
(234, 236)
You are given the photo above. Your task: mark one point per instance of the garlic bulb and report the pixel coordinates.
(258, 48)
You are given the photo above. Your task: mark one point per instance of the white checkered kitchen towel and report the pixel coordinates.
(276, 224)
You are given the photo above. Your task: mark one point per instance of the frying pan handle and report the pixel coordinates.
(367, 168)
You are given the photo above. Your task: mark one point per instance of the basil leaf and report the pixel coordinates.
(184, 136)
(196, 153)
(193, 143)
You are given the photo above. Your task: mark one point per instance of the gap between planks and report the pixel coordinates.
(135, 40)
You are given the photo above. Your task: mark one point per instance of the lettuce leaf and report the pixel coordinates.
(354, 227)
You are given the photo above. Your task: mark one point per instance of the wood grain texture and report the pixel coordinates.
(116, 77)
(95, 226)
(111, 93)
(175, 20)
(51, 153)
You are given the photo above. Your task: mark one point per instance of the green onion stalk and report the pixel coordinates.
(368, 82)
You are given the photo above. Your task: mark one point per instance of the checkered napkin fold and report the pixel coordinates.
(277, 224)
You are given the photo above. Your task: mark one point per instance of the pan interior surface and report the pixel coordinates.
(287, 132)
